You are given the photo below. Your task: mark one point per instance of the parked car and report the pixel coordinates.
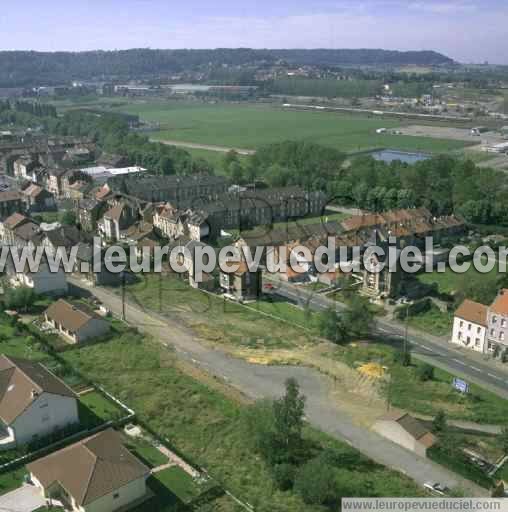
(436, 488)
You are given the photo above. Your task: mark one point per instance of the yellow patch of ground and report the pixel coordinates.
(374, 370)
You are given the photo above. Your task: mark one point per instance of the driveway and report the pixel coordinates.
(24, 499)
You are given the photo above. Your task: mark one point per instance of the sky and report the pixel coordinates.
(466, 30)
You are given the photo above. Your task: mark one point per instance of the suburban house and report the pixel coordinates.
(60, 237)
(11, 201)
(241, 283)
(42, 282)
(117, 219)
(38, 199)
(75, 322)
(483, 328)
(470, 326)
(25, 167)
(19, 230)
(97, 474)
(33, 402)
(88, 212)
(409, 432)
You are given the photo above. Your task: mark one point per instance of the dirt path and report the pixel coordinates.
(207, 147)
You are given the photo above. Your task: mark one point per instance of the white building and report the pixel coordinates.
(470, 326)
(98, 474)
(33, 402)
(101, 174)
(43, 281)
(76, 323)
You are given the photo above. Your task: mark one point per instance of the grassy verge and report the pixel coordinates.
(460, 465)
(180, 483)
(406, 391)
(433, 321)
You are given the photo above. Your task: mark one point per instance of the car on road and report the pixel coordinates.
(268, 286)
(436, 488)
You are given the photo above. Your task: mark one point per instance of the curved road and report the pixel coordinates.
(258, 381)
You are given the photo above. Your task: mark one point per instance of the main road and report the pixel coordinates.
(470, 366)
(258, 381)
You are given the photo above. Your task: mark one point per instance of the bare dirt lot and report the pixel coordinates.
(441, 132)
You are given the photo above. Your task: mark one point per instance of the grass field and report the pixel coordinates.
(449, 281)
(250, 126)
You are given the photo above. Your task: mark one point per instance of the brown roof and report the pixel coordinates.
(21, 382)
(33, 190)
(15, 220)
(71, 316)
(413, 426)
(9, 195)
(90, 469)
(500, 305)
(473, 312)
(116, 212)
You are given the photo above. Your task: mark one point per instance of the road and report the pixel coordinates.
(207, 147)
(258, 381)
(425, 347)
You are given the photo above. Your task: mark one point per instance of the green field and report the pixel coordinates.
(250, 126)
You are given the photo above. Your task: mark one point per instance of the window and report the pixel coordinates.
(477, 342)
(494, 319)
(461, 323)
(478, 330)
(503, 322)
(469, 327)
(492, 332)
(460, 335)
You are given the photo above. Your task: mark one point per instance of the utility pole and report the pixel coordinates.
(123, 296)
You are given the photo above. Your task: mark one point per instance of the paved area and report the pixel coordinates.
(443, 132)
(25, 499)
(208, 147)
(259, 381)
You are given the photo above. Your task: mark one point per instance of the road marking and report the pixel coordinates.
(459, 362)
(494, 376)
(475, 369)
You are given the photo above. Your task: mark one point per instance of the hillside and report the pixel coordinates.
(25, 68)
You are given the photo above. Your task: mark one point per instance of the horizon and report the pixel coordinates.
(468, 31)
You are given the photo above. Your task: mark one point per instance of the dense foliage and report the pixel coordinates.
(443, 184)
(22, 68)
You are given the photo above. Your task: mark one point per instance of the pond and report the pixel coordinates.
(390, 155)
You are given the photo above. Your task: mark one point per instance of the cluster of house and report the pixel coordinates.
(97, 473)
(483, 328)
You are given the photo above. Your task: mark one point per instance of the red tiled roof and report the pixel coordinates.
(473, 312)
(500, 305)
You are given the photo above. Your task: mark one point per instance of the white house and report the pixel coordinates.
(43, 281)
(33, 402)
(97, 474)
(76, 323)
(470, 326)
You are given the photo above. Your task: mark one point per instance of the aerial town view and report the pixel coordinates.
(253, 258)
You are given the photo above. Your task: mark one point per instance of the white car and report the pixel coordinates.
(436, 488)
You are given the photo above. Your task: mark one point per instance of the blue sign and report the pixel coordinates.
(460, 385)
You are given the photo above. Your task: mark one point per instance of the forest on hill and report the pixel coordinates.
(28, 68)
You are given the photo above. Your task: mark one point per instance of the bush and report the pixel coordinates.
(315, 482)
(402, 357)
(284, 476)
(425, 372)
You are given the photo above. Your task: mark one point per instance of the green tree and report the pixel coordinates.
(358, 317)
(425, 372)
(68, 218)
(22, 298)
(503, 440)
(315, 482)
(439, 423)
(288, 413)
